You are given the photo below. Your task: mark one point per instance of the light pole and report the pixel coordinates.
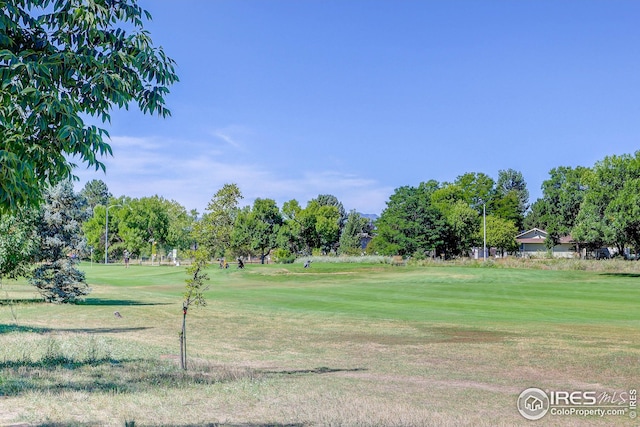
(106, 235)
(484, 219)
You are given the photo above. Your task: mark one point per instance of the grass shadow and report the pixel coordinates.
(108, 302)
(5, 329)
(320, 370)
(133, 423)
(621, 274)
(12, 301)
(105, 374)
(228, 425)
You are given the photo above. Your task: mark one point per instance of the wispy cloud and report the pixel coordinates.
(191, 172)
(234, 136)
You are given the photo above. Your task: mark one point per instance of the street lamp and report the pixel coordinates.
(484, 219)
(106, 235)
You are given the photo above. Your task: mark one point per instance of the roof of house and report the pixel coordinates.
(536, 235)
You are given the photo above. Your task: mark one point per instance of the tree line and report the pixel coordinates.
(598, 206)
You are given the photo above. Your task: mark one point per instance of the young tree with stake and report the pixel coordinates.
(194, 294)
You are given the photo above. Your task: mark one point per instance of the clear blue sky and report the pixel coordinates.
(292, 99)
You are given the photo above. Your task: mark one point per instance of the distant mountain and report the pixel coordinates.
(372, 217)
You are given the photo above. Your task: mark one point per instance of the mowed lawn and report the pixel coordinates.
(335, 344)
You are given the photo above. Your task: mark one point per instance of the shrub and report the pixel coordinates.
(283, 256)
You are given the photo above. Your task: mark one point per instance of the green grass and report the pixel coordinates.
(335, 344)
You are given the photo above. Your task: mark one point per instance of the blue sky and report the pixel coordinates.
(355, 98)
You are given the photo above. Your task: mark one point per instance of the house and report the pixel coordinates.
(532, 243)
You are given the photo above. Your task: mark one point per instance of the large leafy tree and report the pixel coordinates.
(331, 200)
(142, 223)
(410, 223)
(60, 244)
(290, 236)
(214, 230)
(257, 227)
(60, 62)
(477, 189)
(609, 212)
(181, 224)
(461, 218)
(562, 196)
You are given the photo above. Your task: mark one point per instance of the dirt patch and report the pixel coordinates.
(434, 335)
(423, 382)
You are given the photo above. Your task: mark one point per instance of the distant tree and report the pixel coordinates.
(511, 184)
(507, 207)
(180, 229)
(215, 228)
(501, 234)
(141, 224)
(536, 216)
(327, 226)
(61, 61)
(60, 245)
(96, 192)
(411, 224)
(352, 233)
(562, 196)
(317, 226)
(625, 211)
(477, 189)
(290, 236)
(257, 227)
(18, 242)
(608, 213)
(331, 200)
(463, 223)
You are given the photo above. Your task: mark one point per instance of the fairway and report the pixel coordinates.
(335, 344)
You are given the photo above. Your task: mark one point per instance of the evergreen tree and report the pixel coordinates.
(60, 245)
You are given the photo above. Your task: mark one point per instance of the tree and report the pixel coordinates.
(60, 62)
(595, 224)
(181, 224)
(609, 212)
(463, 223)
(562, 195)
(512, 187)
(411, 224)
(215, 229)
(143, 223)
(477, 189)
(18, 240)
(257, 227)
(193, 295)
(96, 193)
(331, 200)
(290, 235)
(352, 232)
(501, 234)
(60, 245)
(327, 225)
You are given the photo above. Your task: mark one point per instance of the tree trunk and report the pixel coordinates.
(183, 340)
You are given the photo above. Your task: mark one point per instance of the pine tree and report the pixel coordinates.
(60, 245)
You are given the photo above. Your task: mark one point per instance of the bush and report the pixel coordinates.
(283, 256)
